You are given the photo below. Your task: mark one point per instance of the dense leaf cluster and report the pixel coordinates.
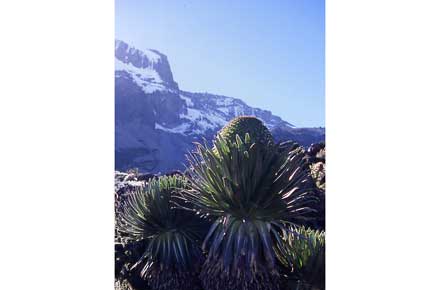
(235, 222)
(171, 234)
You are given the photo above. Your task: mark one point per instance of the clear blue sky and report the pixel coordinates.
(270, 54)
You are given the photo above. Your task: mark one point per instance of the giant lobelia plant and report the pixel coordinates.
(172, 235)
(253, 191)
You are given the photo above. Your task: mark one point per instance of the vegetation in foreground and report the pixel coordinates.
(248, 214)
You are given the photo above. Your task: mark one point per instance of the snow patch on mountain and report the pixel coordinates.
(181, 129)
(149, 69)
(148, 56)
(146, 78)
(204, 120)
(187, 100)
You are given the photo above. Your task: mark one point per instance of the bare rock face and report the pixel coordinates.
(156, 123)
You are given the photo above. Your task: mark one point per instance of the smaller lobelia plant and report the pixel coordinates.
(254, 190)
(172, 236)
(304, 258)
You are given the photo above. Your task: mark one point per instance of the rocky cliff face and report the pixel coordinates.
(145, 62)
(157, 123)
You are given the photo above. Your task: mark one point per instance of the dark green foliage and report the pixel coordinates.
(254, 191)
(171, 235)
(246, 124)
(305, 257)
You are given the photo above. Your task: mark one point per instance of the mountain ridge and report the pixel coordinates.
(156, 123)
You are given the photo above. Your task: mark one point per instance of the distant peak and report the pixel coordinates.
(149, 56)
(149, 62)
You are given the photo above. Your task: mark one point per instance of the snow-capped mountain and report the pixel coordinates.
(156, 122)
(149, 69)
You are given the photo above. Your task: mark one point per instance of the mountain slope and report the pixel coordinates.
(157, 123)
